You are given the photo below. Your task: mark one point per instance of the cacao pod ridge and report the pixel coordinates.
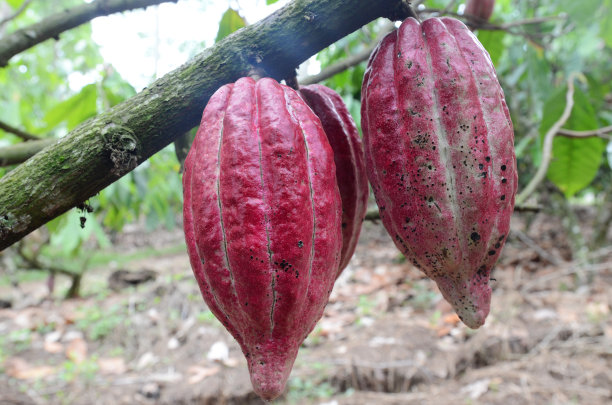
(262, 216)
(439, 147)
(344, 139)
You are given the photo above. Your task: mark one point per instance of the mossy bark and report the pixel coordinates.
(103, 149)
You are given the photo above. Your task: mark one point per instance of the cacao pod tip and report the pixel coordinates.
(472, 302)
(270, 369)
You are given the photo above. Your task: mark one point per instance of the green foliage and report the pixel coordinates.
(230, 21)
(575, 161)
(301, 389)
(493, 41)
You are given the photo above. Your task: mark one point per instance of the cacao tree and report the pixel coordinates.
(551, 58)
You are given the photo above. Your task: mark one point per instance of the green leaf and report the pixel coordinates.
(75, 110)
(230, 22)
(493, 41)
(575, 161)
(268, 2)
(606, 23)
(15, 3)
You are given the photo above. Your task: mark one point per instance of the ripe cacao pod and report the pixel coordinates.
(262, 216)
(439, 148)
(481, 9)
(344, 139)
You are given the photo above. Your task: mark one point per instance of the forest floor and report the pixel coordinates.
(386, 337)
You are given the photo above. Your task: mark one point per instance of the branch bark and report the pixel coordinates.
(18, 132)
(54, 25)
(101, 150)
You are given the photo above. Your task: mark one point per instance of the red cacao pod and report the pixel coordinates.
(262, 216)
(439, 148)
(348, 156)
(481, 9)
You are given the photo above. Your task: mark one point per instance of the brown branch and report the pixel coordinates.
(478, 23)
(548, 143)
(16, 14)
(603, 132)
(18, 132)
(348, 62)
(19, 153)
(103, 149)
(54, 25)
(339, 67)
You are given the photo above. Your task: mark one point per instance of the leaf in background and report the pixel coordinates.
(493, 41)
(581, 12)
(75, 110)
(15, 3)
(606, 23)
(230, 22)
(268, 2)
(575, 161)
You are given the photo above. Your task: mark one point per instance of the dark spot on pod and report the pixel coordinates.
(504, 181)
(503, 167)
(488, 158)
(483, 174)
(497, 245)
(246, 304)
(475, 236)
(300, 244)
(480, 166)
(344, 225)
(503, 197)
(491, 252)
(501, 237)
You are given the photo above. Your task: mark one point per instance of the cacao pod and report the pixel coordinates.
(344, 139)
(439, 148)
(262, 216)
(481, 9)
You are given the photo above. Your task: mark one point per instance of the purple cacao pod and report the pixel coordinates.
(350, 164)
(262, 216)
(439, 148)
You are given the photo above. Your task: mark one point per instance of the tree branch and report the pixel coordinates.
(346, 63)
(103, 149)
(18, 132)
(603, 132)
(16, 14)
(548, 143)
(19, 153)
(54, 25)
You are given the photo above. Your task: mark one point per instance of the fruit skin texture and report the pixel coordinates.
(350, 162)
(262, 216)
(439, 148)
(480, 8)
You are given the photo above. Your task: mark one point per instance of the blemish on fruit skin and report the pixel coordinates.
(468, 152)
